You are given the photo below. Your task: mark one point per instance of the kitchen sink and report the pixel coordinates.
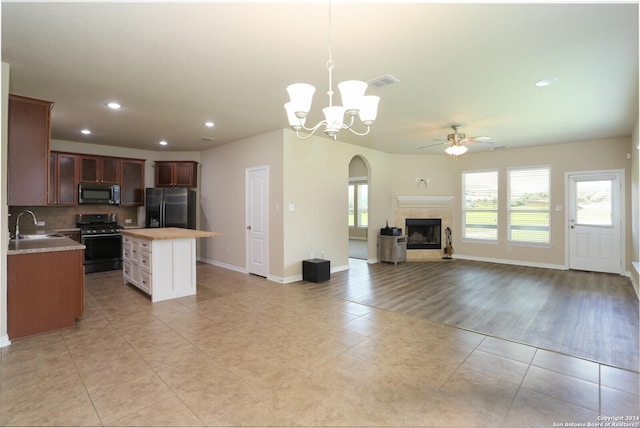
(44, 235)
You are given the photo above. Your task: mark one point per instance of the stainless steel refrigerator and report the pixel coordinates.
(170, 207)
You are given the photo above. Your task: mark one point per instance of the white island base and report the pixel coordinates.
(161, 261)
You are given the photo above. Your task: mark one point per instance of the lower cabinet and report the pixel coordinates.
(45, 291)
(165, 269)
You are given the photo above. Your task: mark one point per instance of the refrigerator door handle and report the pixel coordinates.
(162, 207)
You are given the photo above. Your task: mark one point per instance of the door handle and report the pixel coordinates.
(248, 227)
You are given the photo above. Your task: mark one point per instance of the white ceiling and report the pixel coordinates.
(175, 65)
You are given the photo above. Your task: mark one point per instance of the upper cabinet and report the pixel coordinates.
(63, 179)
(132, 182)
(176, 174)
(99, 169)
(28, 151)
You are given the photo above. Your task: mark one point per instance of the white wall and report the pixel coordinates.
(634, 149)
(223, 200)
(316, 175)
(4, 209)
(582, 156)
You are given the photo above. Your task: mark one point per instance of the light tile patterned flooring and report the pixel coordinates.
(246, 351)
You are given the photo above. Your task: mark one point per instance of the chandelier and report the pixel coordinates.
(354, 103)
(455, 147)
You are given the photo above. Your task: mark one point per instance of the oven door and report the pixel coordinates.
(104, 250)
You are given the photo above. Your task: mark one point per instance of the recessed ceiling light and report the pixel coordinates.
(546, 82)
(114, 105)
(163, 143)
(209, 124)
(86, 131)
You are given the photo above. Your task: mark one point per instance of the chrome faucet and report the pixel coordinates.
(35, 221)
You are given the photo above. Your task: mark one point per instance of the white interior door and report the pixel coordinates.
(595, 223)
(257, 220)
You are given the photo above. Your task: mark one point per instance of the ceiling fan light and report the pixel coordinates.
(369, 109)
(301, 95)
(352, 92)
(456, 150)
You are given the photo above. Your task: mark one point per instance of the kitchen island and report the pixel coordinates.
(161, 261)
(45, 285)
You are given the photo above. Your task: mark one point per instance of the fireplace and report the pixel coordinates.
(423, 233)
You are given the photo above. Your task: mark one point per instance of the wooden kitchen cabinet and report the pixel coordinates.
(29, 132)
(63, 179)
(99, 169)
(176, 174)
(132, 182)
(45, 291)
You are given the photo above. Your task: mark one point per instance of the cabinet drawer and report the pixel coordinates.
(135, 251)
(135, 274)
(126, 271)
(145, 261)
(145, 282)
(126, 253)
(145, 246)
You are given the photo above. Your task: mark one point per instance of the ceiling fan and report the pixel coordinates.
(457, 142)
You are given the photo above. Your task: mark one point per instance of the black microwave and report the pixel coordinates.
(108, 194)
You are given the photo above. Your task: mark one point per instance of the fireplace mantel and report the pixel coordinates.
(424, 201)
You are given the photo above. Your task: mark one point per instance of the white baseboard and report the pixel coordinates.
(222, 265)
(510, 262)
(278, 279)
(4, 341)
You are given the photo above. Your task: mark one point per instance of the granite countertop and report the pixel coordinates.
(159, 233)
(46, 245)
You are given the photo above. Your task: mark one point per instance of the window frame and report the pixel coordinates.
(356, 182)
(509, 209)
(464, 210)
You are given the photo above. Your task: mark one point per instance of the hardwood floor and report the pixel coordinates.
(584, 314)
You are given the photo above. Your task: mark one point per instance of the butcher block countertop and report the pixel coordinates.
(159, 233)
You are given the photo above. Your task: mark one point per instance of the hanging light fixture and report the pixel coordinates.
(354, 103)
(455, 148)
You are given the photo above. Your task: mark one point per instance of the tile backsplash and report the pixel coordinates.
(65, 217)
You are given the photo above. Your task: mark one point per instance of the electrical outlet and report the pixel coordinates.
(40, 223)
(128, 221)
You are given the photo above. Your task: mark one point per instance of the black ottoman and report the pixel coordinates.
(316, 270)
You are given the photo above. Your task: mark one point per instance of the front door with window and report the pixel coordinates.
(595, 226)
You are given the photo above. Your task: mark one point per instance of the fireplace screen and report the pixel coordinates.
(423, 233)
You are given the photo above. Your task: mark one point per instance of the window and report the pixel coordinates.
(480, 208)
(358, 205)
(529, 205)
(363, 205)
(352, 204)
(594, 203)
